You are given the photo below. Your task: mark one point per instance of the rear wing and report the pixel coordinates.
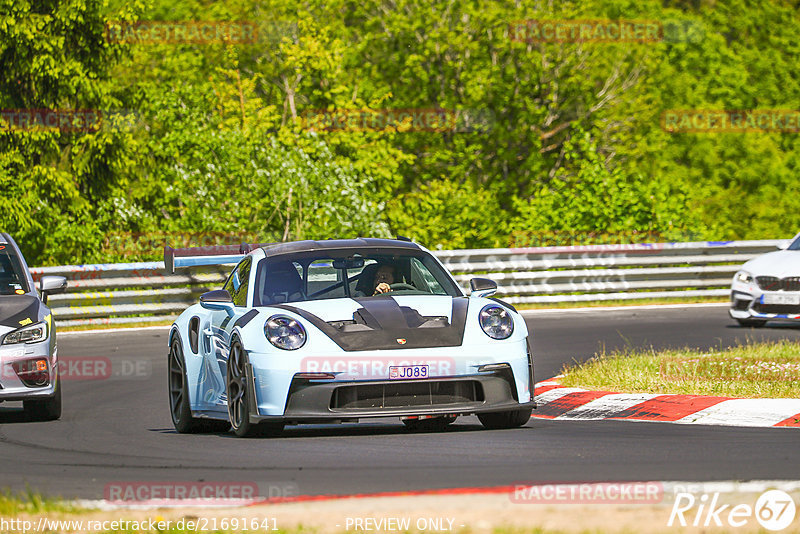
(179, 258)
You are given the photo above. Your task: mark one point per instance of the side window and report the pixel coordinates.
(424, 280)
(238, 282)
(325, 281)
(279, 282)
(12, 278)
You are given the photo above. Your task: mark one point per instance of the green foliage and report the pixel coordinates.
(443, 214)
(54, 57)
(588, 194)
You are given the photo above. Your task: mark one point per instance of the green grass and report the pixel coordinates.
(31, 502)
(761, 370)
(83, 327)
(637, 302)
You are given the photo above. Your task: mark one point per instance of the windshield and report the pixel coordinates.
(349, 274)
(12, 280)
(795, 245)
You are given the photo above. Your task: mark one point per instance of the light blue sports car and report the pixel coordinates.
(342, 330)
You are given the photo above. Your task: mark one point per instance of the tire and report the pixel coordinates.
(47, 409)
(178, 389)
(755, 323)
(510, 419)
(434, 424)
(239, 392)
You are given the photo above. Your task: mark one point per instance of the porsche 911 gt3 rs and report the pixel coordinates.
(339, 331)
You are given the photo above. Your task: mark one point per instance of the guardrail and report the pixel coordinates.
(143, 292)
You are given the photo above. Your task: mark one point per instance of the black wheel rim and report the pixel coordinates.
(236, 387)
(176, 382)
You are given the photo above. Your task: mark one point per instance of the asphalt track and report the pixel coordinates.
(118, 429)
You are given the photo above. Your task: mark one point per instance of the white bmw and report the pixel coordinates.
(767, 288)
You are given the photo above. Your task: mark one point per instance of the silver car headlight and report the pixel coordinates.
(27, 334)
(496, 322)
(743, 277)
(285, 332)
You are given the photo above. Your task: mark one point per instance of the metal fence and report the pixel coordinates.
(143, 292)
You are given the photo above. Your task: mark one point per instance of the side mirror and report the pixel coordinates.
(783, 245)
(482, 287)
(219, 299)
(49, 285)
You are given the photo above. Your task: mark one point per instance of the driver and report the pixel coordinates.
(384, 278)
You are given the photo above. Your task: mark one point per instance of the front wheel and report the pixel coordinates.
(179, 406)
(510, 419)
(47, 409)
(755, 323)
(239, 398)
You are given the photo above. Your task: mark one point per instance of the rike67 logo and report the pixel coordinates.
(774, 510)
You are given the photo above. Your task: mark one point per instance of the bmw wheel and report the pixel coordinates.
(179, 406)
(239, 391)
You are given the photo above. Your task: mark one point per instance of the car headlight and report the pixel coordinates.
(27, 334)
(285, 332)
(496, 322)
(743, 277)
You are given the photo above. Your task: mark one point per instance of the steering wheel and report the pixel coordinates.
(401, 285)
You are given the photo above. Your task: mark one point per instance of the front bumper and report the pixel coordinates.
(12, 388)
(312, 401)
(750, 302)
(273, 375)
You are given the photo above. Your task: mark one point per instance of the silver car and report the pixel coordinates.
(28, 355)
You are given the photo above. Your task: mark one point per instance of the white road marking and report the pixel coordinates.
(602, 407)
(745, 412)
(554, 394)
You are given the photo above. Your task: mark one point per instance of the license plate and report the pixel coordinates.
(408, 372)
(777, 298)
